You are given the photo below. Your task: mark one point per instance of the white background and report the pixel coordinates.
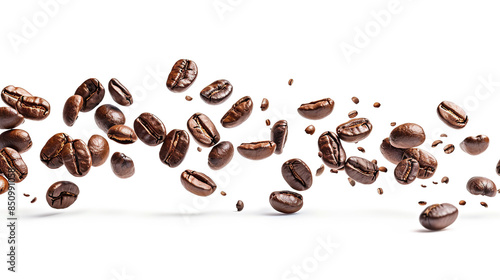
(150, 227)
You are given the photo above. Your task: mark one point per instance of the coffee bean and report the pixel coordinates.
(71, 109)
(197, 183)
(438, 216)
(462, 202)
(33, 108)
(174, 148)
(62, 194)
(92, 92)
(443, 135)
(286, 201)
(26, 195)
(320, 170)
(361, 149)
(51, 152)
(391, 153)
(406, 171)
(77, 158)
(239, 205)
(452, 115)
(380, 191)
(376, 105)
(361, 170)
(182, 75)
(352, 114)
(310, 130)
(99, 149)
(427, 162)
(203, 130)
(217, 92)
(474, 145)
(122, 165)
(297, 174)
(354, 130)
(16, 139)
(498, 168)
(4, 185)
(120, 93)
(220, 155)
(150, 129)
(33, 200)
(334, 171)
(317, 109)
(351, 182)
(223, 193)
(382, 169)
(107, 116)
(393, 124)
(188, 98)
(12, 165)
(257, 150)
(422, 203)
(481, 186)
(198, 149)
(264, 104)
(484, 204)
(435, 143)
(448, 149)
(407, 135)
(239, 112)
(268, 122)
(355, 100)
(11, 94)
(290, 82)
(423, 186)
(279, 135)
(122, 134)
(445, 180)
(10, 118)
(332, 152)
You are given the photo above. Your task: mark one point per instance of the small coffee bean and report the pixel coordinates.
(197, 183)
(239, 205)
(375, 162)
(62, 194)
(361, 149)
(198, 149)
(4, 185)
(376, 105)
(279, 135)
(334, 171)
(393, 124)
(443, 135)
(99, 149)
(484, 204)
(203, 130)
(438, 216)
(107, 116)
(257, 150)
(355, 100)
(26, 195)
(51, 152)
(352, 114)
(406, 171)
(310, 129)
(217, 92)
(423, 186)
(122, 134)
(475, 145)
(332, 152)
(462, 202)
(182, 75)
(286, 201)
(481, 186)
(407, 135)
(452, 115)
(435, 143)
(12, 165)
(11, 94)
(174, 148)
(354, 130)
(188, 98)
(122, 165)
(351, 182)
(434, 182)
(382, 169)
(220, 155)
(120, 93)
(16, 139)
(33, 108)
(380, 191)
(448, 149)
(320, 154)
(320, 170)
(71, 109)
(10, 118)
(33, 200)
(317, 109)
(268, 122)
(92, 92)
(223, 193)
(498, 168)
(290, 82)
(361, 170)
(297, 174)
(239, 112)
(427, 162)
(445, 180)
(422, 203)
(150, 129)
(391, 153)
(77, 158)
(264, 104)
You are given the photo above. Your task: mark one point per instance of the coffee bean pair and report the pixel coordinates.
(28, 106)
(111, 120)
(263, 149)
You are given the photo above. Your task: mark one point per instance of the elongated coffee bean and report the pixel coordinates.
(182, 75)
(481, 186)
(33, 108)
(438, 216)
(279, 135)
(427, 162)
(62, 194)
(99, 149)
(361, 170)
(391, 153)
(217, 92)
(257, 150)
(77, 158)
(12, 165)
(71, 109)
(11, 94)
(10, 118)
(122, 134)
(174, 148)
(107, 116)
(150, 129)
(407, 135)
(198, 183)
(16, 139)
(475, 145)
(452, 115)
(51, 152)
(406, 171)
(332, 152)
(317, 109)
(120, 93)
(239, 112)
(297, 174)
(220, 155)
(122, 165)
(92, 92)
(286, 201)
(203, 130)
(354, 130)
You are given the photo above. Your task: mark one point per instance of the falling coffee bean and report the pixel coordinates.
(10, 118)
(16, 139)
(203, 130)
(279, 135)
(197, 183)
(264, 104)
(257, 150)
(174, 148)
(498, 168)
(286, 201)
(438, 216)
(33, 200)
(452, 115)
(354, 130)
(310, 129)
(239, 112)
(107, 116)
(52, 150)
(427, 162)
(26, 195)
(11, 94)
(375, 162)
(33, 108)
(448, 149)
(423, 186)
(223, 193)
(391, 153)
(380, 191)
(71, 109)
(435, 143)
(475, 145)
(122, 165)
(4, 185)
(376, 105)
(268, 122)
(482, 186)
(12, 165)
(297, 174)
(320, 170)
(150, 129)
(217, 92)
(77, 158)
(198, 149)
(239, 205)
(290, 82)
(317, 109)
(484, 204)
(220, 155)
(99, 149)
(406, 171)
(407, 135)
(351, 182)
(462, 202)
(120, 93)
(122, 134)
(332, 152)
(361, 149)
(434, 182)
(422, 203)
(62, 194)
(361, 170)
(393, 124)
(188, 98)
(182, 75)
(335, 172)
(355, 100)
(443, 135)
(382, 169)
(352, 114)
(445, 180)
(92, 92)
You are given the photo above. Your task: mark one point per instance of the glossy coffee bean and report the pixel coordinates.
(33, 108)
(182, 75)
(4, 185)
(51, 151)
(286, 201)
(120, 93)
(481, 186)
(198, 183)
(407, 135)
(203, 130)
(10, 118)
(438, 216)
(99, 149)
(354, 130)
(332, 152)
(220, 155)
(361, 170)
(11, 94)
(474, 145)
(16, 139)
(239, 112)
(427, 162)
(62, 194)
(279, 135)
(122, 165)
(297, 174)
(71, 109)
(257, 150)
(77, 158)
(498, 168)
(217, 92)
(391, 153)
(107, 116)
(174, 148)
(406, 171)
(12, 165)
(150, 129)
(452, 115)
(122, 134)
(317, 109)
(92, 92)
(239, 205)
(264, 105)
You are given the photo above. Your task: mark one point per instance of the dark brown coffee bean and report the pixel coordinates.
(92, 92)
(484, 204)
(265, 104)
(10, 118)
(11, 94)
(51, 152)
(297, 174)
(122, 134)
(198, 183)
(239, 205)
(317, 109)
(62, 194)
(99, 149)
(354, 130)
(438, 216)
(182, 75)
(423, 186)
(217, 92)
(474, 145)
(120, 93)
(422, 203)
(320, 154)
(77, 158)
(310, 130)
(122, 165)
(239, 112)
(26, 195)
(376, 105)
(443, 135)
(332, 152)
(391, 153)
(174, 148)
(445, 180)
(257, 150)
(334, 171)
(290, 82)
(382, 169)
(203, 130)
(361, 170)
(268, 122)
(380, 191)
(393, 124)
(107, 116)
(279, 135)
(71, 109)
(220, 155)
(320, 170)
(150, 129)
(435, 143)
(448, 149)
(12, 165)
(406, 171)
(462, 202)
(498, 168)
(361, 149)
(452, 115)
(223, 193)
(286, 201)
(188, 98)
(434, 182)
(482, 186)
(198, 149)
(407, 135)
(355, 100)
(33, 200)
(4, 185)
(33, 108)
(16, 139)
(352, 114)
(427, 162)
(351, 182)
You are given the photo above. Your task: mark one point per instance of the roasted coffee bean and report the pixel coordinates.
(174, 148)
(310, 130)
(484, 204)
(422, 203)
(443, 135)
(33, 108)
(352, 114)
(92, 92)
(462, 202)
(257, 150)
(445, 180)
(268, 122)
(332, 152)
(120, 93)
(434, 182)
(197, 183)
(382, 169)
(334, 171)
(320, 170)
(452, 115)
(498, 168)
(361, 170)
(265, 104)
(354, 130)
(375, 161)
(279, 135)
(406, 171)
(474, 145)
(423, 186)
(482, 186)
(351, 182)
(199, 149)
(122, 134)
(71, 109)
(4, 185)
(407, 135)
(361, 149)
(10, 118)
(317, 109)
(391, 153)
(448, 149)
(223, 193)
(16, 139)
(107, 116)
(297, 174)
(239, 205)
(62, 194)
(203, 130)
(122, 165)
(12, 165)
(220, 155)
(77, 158)
(438, 216)
(150, 129)
(33, 200)
(427, 162)
(217, 92)
(435, 143)
(188, 98)
(393, 124)
(290, 82)
(286, 201)
(239, 112)
(182, 75)
(99, 149)
(11, 94)
(51, 152)
(376, 105)
(355, 100)
(320, 154)
(380, 191)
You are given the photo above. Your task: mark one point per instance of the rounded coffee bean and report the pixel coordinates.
(174, 148)
(257, 150)
(317, 109)
(427, 162)
(332, 152)
(10, 118)
(406, 171)
(107, 116)
(217, 92)
(407, 135)
(12, 165)
(452, 115)
(354, 130)
(203, 130)
(71, 109)
(279, 135)
(310, 129)
(122, 134)
(182, 75)
(76, 157)
(448, 149)
(239, 112)
(220, 155)
(16, 139)
(361, 170)
(150, 129)
(120, 93)
(197, 183)
(4, 185)
(99, 149)
(92, 92)
(474, 145)
(438, 216)
(481, 186)
(62, 194)
(33, 108)
(286, 201)
(239, 205)
(264, 104)
(11, 94)
(122, 165)
(51, 152)
(297, 174)
(498, 168)
(391, 153)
